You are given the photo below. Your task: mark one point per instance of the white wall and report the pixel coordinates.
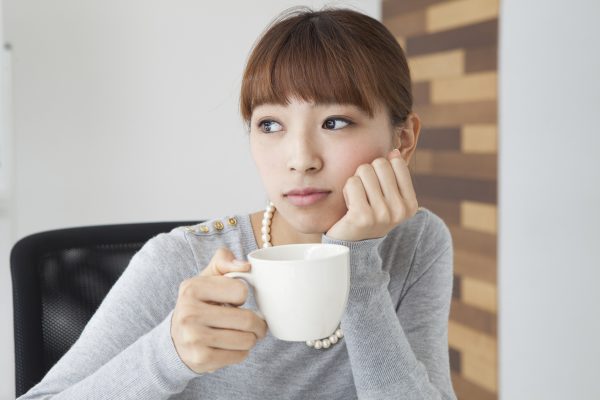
(126, 111)
(549, 202)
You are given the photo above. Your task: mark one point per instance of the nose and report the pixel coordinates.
(304, 153)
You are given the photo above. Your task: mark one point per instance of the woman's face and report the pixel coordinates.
(304, 145)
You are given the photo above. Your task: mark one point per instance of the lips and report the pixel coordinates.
(305, 191)
(302, 200)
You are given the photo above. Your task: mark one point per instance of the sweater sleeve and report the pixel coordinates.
(400, 353)
(126, 350)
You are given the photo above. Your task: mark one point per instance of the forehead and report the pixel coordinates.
(295, 102)
(310, 105)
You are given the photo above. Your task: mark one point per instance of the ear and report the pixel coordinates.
(406, 136)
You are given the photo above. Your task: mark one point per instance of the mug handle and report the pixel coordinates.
(246, 277)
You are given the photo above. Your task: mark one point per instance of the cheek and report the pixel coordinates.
(350, 157)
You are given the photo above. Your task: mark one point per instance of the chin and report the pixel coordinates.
(314, 223)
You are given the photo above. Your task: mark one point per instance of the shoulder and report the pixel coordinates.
(205, 238)
(212, 227)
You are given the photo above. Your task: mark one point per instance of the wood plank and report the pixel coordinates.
(456, 164)
(474, 241)
(421, 93)
(453, 114)
(480, 294)
(390, 8)
(476, 35)
(449, 211)
(438, 65)
(402, 42)
(465, 389)
(480, 370)
(481, 59)
(457, 189)
(479, 216)
(475, 265)
(472, 87)
(453, 14)
(454, 356)
(473, 342)
(473, 317)
(406, 24)
(448, 138)
(479, 138)
(456, 287)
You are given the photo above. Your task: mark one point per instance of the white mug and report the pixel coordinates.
(301, 290)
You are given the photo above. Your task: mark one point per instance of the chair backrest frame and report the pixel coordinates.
(25, 261)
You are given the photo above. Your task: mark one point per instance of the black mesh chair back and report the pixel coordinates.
(59, 279)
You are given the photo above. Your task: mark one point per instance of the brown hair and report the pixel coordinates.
(328, 56)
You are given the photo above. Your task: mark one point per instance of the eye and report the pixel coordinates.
(268, 126)
(336, 123)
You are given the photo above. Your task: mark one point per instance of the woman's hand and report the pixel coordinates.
(379, 196)
(208, 336)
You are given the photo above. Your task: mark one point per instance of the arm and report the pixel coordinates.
(126, 350)
(399, 353)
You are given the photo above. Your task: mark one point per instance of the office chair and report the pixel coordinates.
(59, 279)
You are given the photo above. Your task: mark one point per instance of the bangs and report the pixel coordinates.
(311, 61)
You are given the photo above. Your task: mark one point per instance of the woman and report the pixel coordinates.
(327, 99)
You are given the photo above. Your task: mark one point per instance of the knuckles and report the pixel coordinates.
(379, 162)
(241, 291)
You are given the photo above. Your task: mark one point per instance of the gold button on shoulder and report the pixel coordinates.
(232, 221)
(203, 228)
(218, 225)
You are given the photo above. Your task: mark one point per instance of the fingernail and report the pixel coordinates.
(396, 152)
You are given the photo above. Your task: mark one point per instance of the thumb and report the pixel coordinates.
(223, 262)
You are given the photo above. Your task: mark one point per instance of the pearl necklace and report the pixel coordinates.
(266, 238)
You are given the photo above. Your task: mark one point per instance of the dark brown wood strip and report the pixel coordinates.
(449, 211)
(455, 362)
(454, 163)
(480, 320)
(389, 8)
(421, 93)
(476, 35)
(453, 114)
(407, 23)
(474, 241)
(475, 265)
(455, 188)
(465, 389)
(481, 59)
(440, 139)
(456, 287)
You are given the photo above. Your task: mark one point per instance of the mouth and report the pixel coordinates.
(302, 200)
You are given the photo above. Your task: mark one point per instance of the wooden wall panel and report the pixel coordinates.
(451, 47)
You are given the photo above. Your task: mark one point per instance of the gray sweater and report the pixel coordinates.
(395, 326)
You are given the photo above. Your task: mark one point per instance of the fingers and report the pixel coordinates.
(389, 183)
(223, 262)
(218, 289)
(227, 339)
(354, 193)
(228, 321)
(386, 186)
(213, 359)
(372, 187)
(407, 190)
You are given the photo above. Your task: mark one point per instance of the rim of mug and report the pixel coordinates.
(344, 250)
